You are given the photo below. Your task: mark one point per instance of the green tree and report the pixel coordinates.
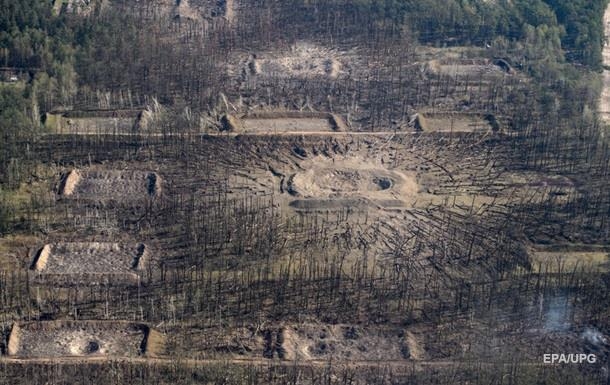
(15, 128)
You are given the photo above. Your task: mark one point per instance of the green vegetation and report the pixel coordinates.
(64, 55)
(59, 50)
(378, 236)
(584, 29)
(15, 127)
(38, 45)
(577, 24)
(4, 214)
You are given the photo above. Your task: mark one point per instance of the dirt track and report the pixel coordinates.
(394, 364)
(279, 134)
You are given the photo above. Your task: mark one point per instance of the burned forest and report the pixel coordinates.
(304, 192)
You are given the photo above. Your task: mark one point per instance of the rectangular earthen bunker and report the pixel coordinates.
(101, 122)
(90, 263)
(117, 185)
(89, 339)
(469, 69)
(284, 122)
(567, 258)
(447, 123)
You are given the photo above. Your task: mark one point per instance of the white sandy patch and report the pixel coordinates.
(352, 176)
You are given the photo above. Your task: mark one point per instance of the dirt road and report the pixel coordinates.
(604, 101)
(396, 365)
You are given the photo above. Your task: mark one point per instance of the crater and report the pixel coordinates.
(92, 347)
(350, 177)
(384, 183)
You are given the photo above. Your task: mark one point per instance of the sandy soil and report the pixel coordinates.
(567, 258)
(116, 185)
(302, 60)
(604, 101)
(378, 174)
(546, 186)
(346, 342)
(546, 324)
(464, 68)
(96, 125)
(306, 342)
(92, 257)
(558, 261)
(351, 177)
(60, 339)
(283, 125)
(193, 10)
(79, 7)
(230, 10)
(455, 123)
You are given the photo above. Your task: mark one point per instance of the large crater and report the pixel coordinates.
(350, 177)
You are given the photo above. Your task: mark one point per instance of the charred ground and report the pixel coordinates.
(303, 192)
